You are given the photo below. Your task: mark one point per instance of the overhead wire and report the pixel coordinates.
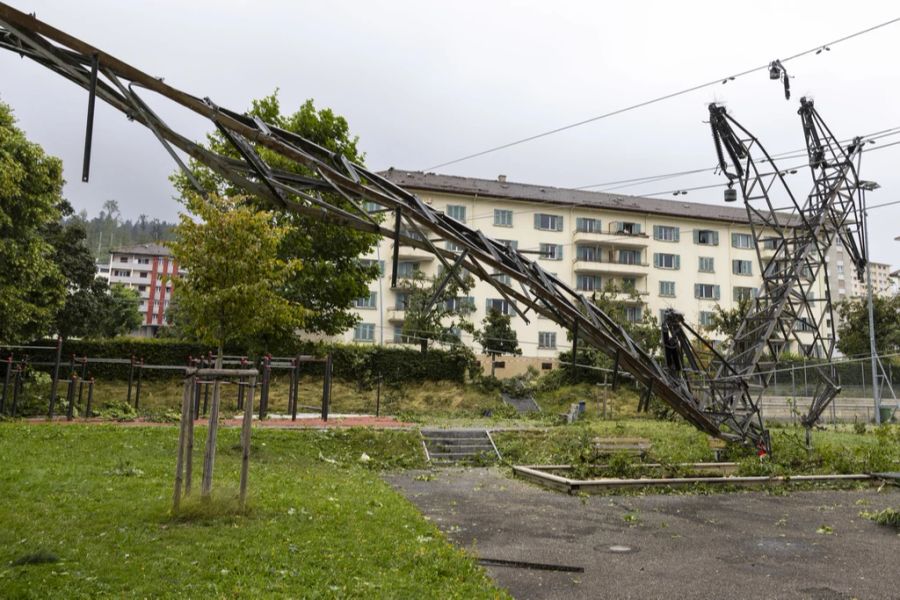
(716, 81)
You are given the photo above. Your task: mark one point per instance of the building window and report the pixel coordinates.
(143, 261)
(121, 273)
(706, 237)
(625, 228)
(707, 264)
(502, 217)
(123, 259)
(629, 257)
(743, 293)
(546, 339)
(587, 225)
(368, 262)
(634, 314)
(665, 233)
(143, 274)
(666, 261)
(667, 289)
(551, 251)
(803, 325)
(547, 222)
(407, 269)
(456, 211)
(400, 301)
(502, 278)
(629, 284)
(587, 283)
(706, 291)
(741, 240)
(370, 301)
(588, 253)
(364, 332)
(453, 247)
(511, 244)
(399, 338)
(460, 304)
(372, 207)
(142, 288)
(706, 318)
(501, 305)
(742, 267)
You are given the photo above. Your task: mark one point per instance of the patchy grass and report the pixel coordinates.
(677, 442)
(85, 513)
(888, 517)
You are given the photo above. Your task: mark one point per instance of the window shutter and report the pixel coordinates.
(677, 234)
(559, 224)
(615, 226)
(656, 259)
(656, 232)
(734, 240)
(715, 238)
(716, 292)
(537, 220)
(697, 290)
(677, 261)
(696, 236)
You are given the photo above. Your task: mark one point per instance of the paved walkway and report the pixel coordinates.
(811, 545)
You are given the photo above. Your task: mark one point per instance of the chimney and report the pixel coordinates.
(501, 178)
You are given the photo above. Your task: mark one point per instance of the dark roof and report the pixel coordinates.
(150, 249)
(509, 190)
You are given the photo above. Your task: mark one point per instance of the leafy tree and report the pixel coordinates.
(497, 336)
(228, 294)
(727, 321)
(120, 314)
(31, 286)
(332, 276)
(441, 321)
(853, 331)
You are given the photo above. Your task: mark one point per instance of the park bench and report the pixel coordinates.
(617, 445)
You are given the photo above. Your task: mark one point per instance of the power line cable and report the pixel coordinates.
(717, 81)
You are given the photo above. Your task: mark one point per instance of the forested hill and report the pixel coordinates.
(108, 230)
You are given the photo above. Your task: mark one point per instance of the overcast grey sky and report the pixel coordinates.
(422, 83)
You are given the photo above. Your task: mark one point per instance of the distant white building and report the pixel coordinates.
(102, 270)
(149, 269)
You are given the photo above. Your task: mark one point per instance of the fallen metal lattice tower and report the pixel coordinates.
(791, 242)
(713, 407)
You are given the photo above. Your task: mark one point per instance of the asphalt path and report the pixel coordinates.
(809, 544)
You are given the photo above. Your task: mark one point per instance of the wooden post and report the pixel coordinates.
(209, 456)
(246, 427)
(130, 379)
(378, 397)
(137, 391)
(186, 416)
(189, 446)
(88, 411)
(70, 397)
(55, 382)
(292, 390)
(326, 387)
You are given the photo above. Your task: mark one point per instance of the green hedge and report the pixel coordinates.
(352, 362)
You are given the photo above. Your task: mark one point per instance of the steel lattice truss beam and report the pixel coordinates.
(791, 244)
(713, 395)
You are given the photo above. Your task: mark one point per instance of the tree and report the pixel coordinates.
(120, 314)
(441, 320)
(497, 337)
(727, 321)
(31, 286)
(332, 276)
(228, 294)
(853, 331)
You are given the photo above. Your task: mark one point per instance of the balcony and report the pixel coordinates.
(636, 240)
(610, 267)
(396, 315)
(408, 253)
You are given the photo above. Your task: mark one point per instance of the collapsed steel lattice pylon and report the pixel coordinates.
(116, 82)
(791, 244)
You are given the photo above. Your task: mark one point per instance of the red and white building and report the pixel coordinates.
(151, 270)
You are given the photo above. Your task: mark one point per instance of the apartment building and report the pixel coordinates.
(147, 268)
(674, 254)
(843, 280)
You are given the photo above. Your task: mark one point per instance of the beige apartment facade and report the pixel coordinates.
(674, 254)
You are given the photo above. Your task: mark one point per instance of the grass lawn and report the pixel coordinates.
(97, 498)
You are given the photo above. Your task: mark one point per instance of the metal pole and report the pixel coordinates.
(326, 387)
(88, 410)
(137, 391)
(130, 379)
(793, 396)
(55, 382)
(378, 398)
(873, 349)
(6, 382)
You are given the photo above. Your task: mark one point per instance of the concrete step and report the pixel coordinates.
(454, 445)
